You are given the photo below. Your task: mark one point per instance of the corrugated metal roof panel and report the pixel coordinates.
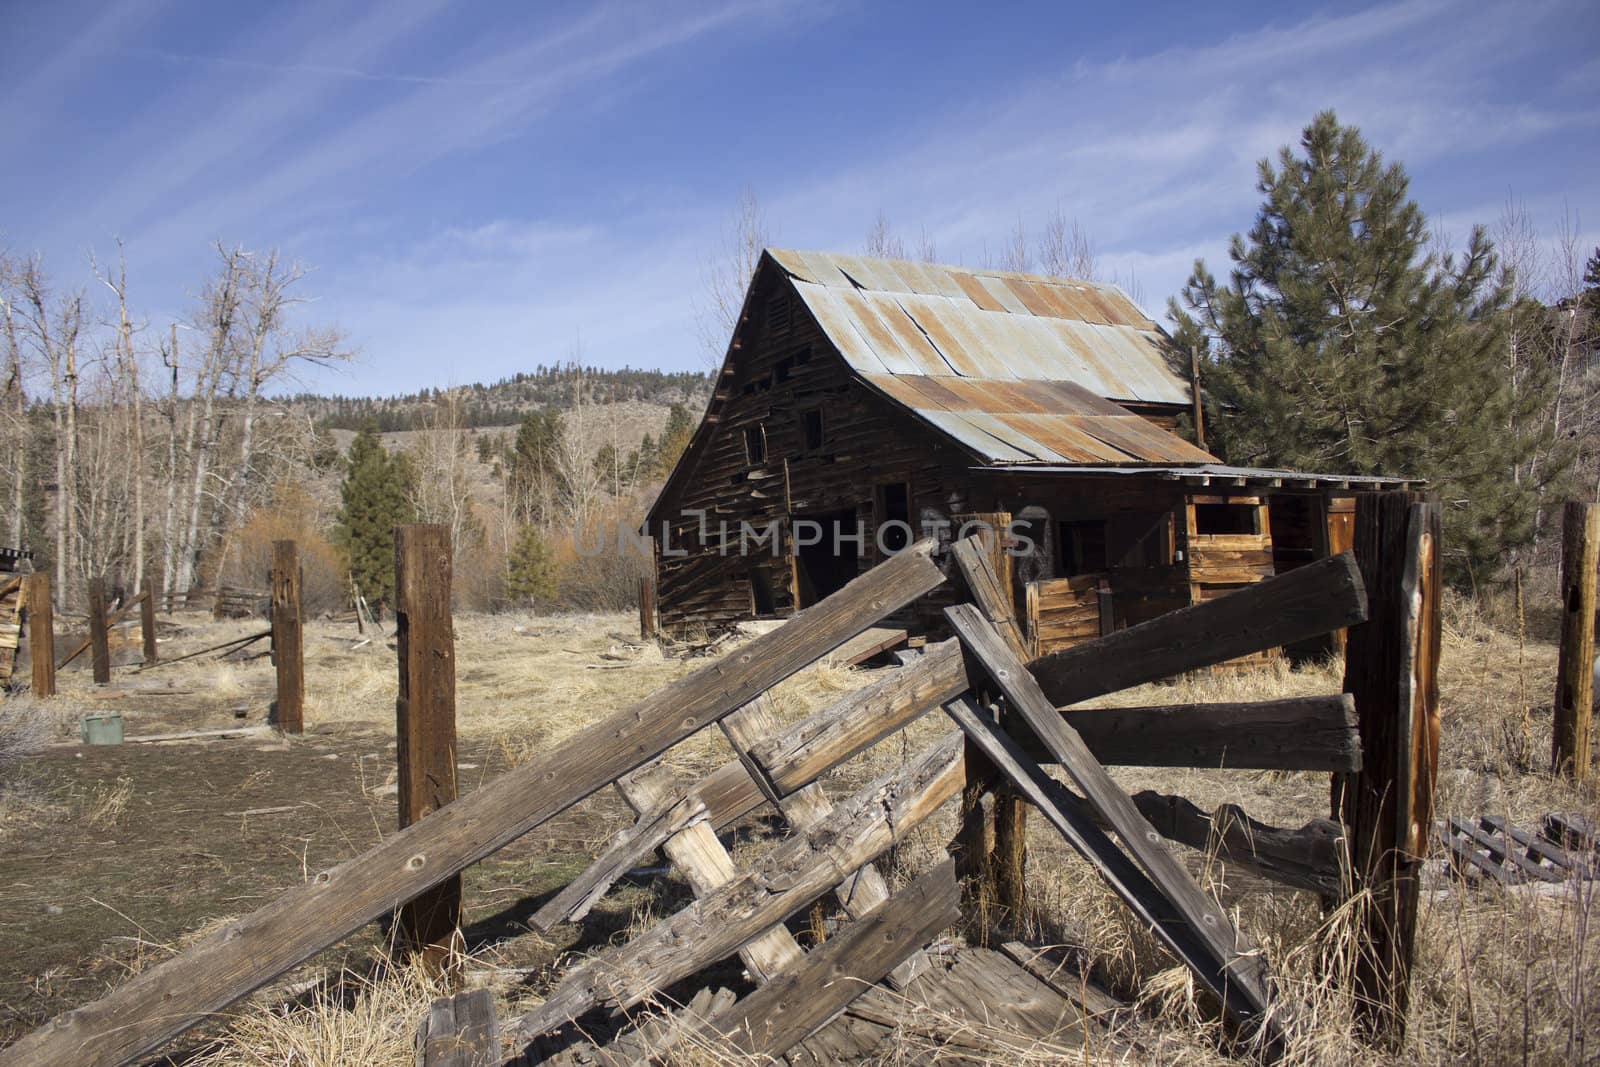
(914, 342)
(837, 323)
(1063, 436)
(975, 291)
(979, 441)
(795, 263)
(1001, 294)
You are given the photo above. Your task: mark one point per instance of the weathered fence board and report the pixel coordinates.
(176, 994)
(1574, 700)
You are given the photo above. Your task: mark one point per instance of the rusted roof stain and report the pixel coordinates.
(1019, 369)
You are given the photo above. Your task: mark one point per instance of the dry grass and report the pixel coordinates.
(1500, 976)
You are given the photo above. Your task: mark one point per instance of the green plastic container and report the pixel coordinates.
(102, 729)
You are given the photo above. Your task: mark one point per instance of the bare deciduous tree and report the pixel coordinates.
(726, 275)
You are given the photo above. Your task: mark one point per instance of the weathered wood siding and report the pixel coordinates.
(1063, 612)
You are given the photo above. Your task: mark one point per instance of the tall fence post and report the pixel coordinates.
(41, 634)
(1391, 670)
(288, 644)
(1574, 705)
(425, 720)
(147, 621)
(99, 642)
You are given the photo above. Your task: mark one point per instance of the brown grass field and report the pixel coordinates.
(117, 857)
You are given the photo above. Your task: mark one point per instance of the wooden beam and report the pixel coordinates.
(147, 620)
(1391, 669)
(1079, 824)
(1309, 600)
(1244, 992)
(1312, 857)
(647, 607)
(1574, 703)
(1295, 734)
(112, 622)
(99, 642)
(784, 1012)
(288, 645)
(41, 634)
(177, 993)
(425, 720)
(789, 878)
(460, 1031)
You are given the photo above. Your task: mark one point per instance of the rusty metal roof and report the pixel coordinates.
(1019, 369)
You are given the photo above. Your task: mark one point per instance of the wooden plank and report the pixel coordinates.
(1052, 966)
(1502, 852)
(41, 635)
(1296, 734)
(788, 879)
(867, 644)
(647, 607)
(98, 639)
(288, 643)
(425, 713)
(1307, 601)
(177, 993)
(1312, 857)
(1535, 848)
(1391, 668)
(460, 1031)
(1077, 823)
(1244, 992)
(147, 620)
(806, 809)
(1574, 701)
(781, 1014)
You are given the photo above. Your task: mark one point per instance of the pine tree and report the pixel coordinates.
(376, 497)
(533, 467)
(674, 439)
(1342, 344)
(531, 568)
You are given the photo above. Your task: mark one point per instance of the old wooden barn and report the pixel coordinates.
(879, 398)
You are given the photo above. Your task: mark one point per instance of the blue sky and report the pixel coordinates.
(483, 187)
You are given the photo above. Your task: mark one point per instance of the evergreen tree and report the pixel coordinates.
(531, 567)
(533, 468)
(1341, 344)
(674, 439)
(376, 497)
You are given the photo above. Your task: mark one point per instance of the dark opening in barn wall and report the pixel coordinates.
(829, 564)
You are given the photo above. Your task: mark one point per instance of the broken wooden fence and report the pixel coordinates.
(834, 842)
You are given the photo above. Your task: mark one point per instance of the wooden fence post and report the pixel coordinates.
(425, 720)
(288, 645)
(1580, 559)
(99, 644)
(1391, 670)
(647, 607)
(41, 634)
(147, 621)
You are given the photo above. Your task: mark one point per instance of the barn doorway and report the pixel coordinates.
(834, 560)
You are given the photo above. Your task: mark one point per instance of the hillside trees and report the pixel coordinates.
(1340, 342)
(376, 497)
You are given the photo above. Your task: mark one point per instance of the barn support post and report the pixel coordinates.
(288, 645)
(1391, 671)
(99, 641)
(1574, 703)
(147, 621)
(425, 722)
(41, 634)
(647, 607)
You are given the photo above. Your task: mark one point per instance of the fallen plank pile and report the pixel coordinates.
(875, 968)
(1493, 850)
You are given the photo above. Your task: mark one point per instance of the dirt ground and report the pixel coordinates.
(117, 856)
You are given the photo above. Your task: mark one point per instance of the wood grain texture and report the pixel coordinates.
(781, 1014)
(1391, 669)
(460, 1031)
(1295, 734)
(99, 645)
(425, 717)
(147, 620)
(288, 641)
(174, 995)
(1574, 701)
(789, 878)
(1245, 993)
(1312, 857)
(41, 634)
(1310, 600)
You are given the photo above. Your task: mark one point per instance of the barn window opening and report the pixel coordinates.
(894, 516)
(755, 444)
(811, 428)
(782, 370)
(1083, 548)
(802, 355)
(1223, 519)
